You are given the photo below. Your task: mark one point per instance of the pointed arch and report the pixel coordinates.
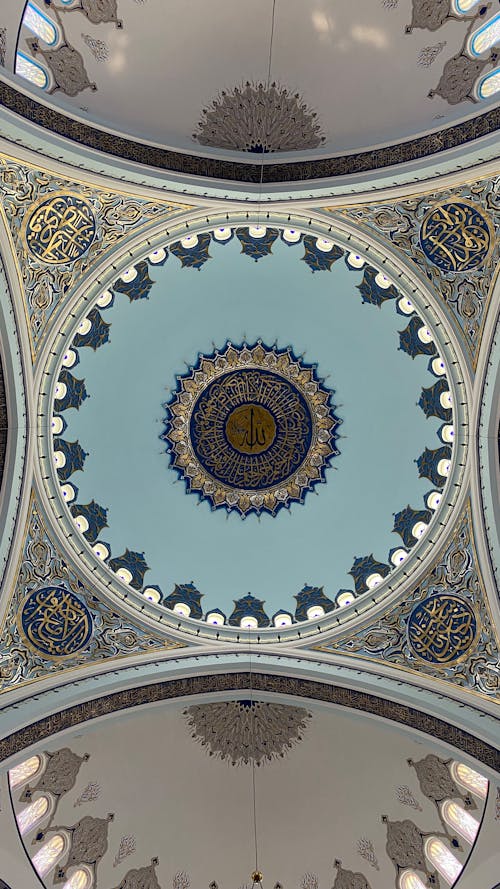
(443, 859)
(460, 820)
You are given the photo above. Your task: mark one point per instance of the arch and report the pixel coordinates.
(442, 859)
(457, 818)
(485, 37)
(51, 852)
(462, 7)
(31, 70)
(409, 879)
(27, 769)
(81, 878)
(40, 24)
(470, 779)
(489, 84)
(31, 815)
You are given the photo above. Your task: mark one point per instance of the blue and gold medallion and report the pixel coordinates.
(60, 229)
(456, 236)
(442, 629)
(251, 428)
(54, 622)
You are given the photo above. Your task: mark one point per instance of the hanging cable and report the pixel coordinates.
(268, 84)
(256, 875)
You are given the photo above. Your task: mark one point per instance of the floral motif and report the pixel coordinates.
(3, 45)
(116, 216)
(429, 54)
(127, 847)
(406, 798)
(366, 850)
(89, 795)
(465, 295)
(251, 428)
(259, 118)
(246, 731)
(113, 635)
(98, 48)
(455, 569)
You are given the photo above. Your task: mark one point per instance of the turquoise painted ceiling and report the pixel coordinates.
(277, 299)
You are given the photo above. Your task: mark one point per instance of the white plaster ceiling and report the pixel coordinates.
(194, 812)
(351, 62)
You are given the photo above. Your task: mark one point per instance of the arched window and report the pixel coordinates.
(410, 880)
(31, 70)
(47, 857)
(489, 84)
(24, 771)
(79, 879)
(461, 7)
(40, 24)
(460, 820)
(443, 859)
(470, 779)
(487, 36)
(32, 814)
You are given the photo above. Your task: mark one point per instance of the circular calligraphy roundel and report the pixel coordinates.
(442, 628)
(61, 229)
(55, 622)
(456, 236)
(251, 428)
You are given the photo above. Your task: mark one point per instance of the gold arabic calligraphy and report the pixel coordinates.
(55, 622)
(250, 429)
(455, 236)
(442, 628)
(61, 229)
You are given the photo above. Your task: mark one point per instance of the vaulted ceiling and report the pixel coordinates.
(249, 414)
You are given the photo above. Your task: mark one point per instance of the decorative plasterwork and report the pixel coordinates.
(3, 422)
(251, 428)
(452, 236)
(60, 229)
(112, 636)
(329, 693)
(419, 338)
(470, 661)
(246, 731)
(177, 162)
(259, 118)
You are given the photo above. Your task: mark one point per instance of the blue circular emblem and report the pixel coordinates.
(61, 229)
(55, 622)
(251, 429)
(456, 236)
(442, 628)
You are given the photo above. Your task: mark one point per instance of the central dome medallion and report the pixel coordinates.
(251, 428)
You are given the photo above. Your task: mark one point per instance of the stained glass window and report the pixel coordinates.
(79, 879)
(486, 36)
(489, 85)
(40, 24)
(32, 814)
(50, 853)
(470, 779)
(443, 859)
(460, 820)
(24, 771)
(410, 880)
(463, 6)
(31, 70)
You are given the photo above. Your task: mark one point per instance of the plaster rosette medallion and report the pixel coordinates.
(259, 118)
(241, 732)
(251, 428)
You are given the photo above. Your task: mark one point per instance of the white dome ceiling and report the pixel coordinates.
(367, 74)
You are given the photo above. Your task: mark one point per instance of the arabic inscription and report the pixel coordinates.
(55, 622)
(442, 628)
(61, 229)
(456, 236)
